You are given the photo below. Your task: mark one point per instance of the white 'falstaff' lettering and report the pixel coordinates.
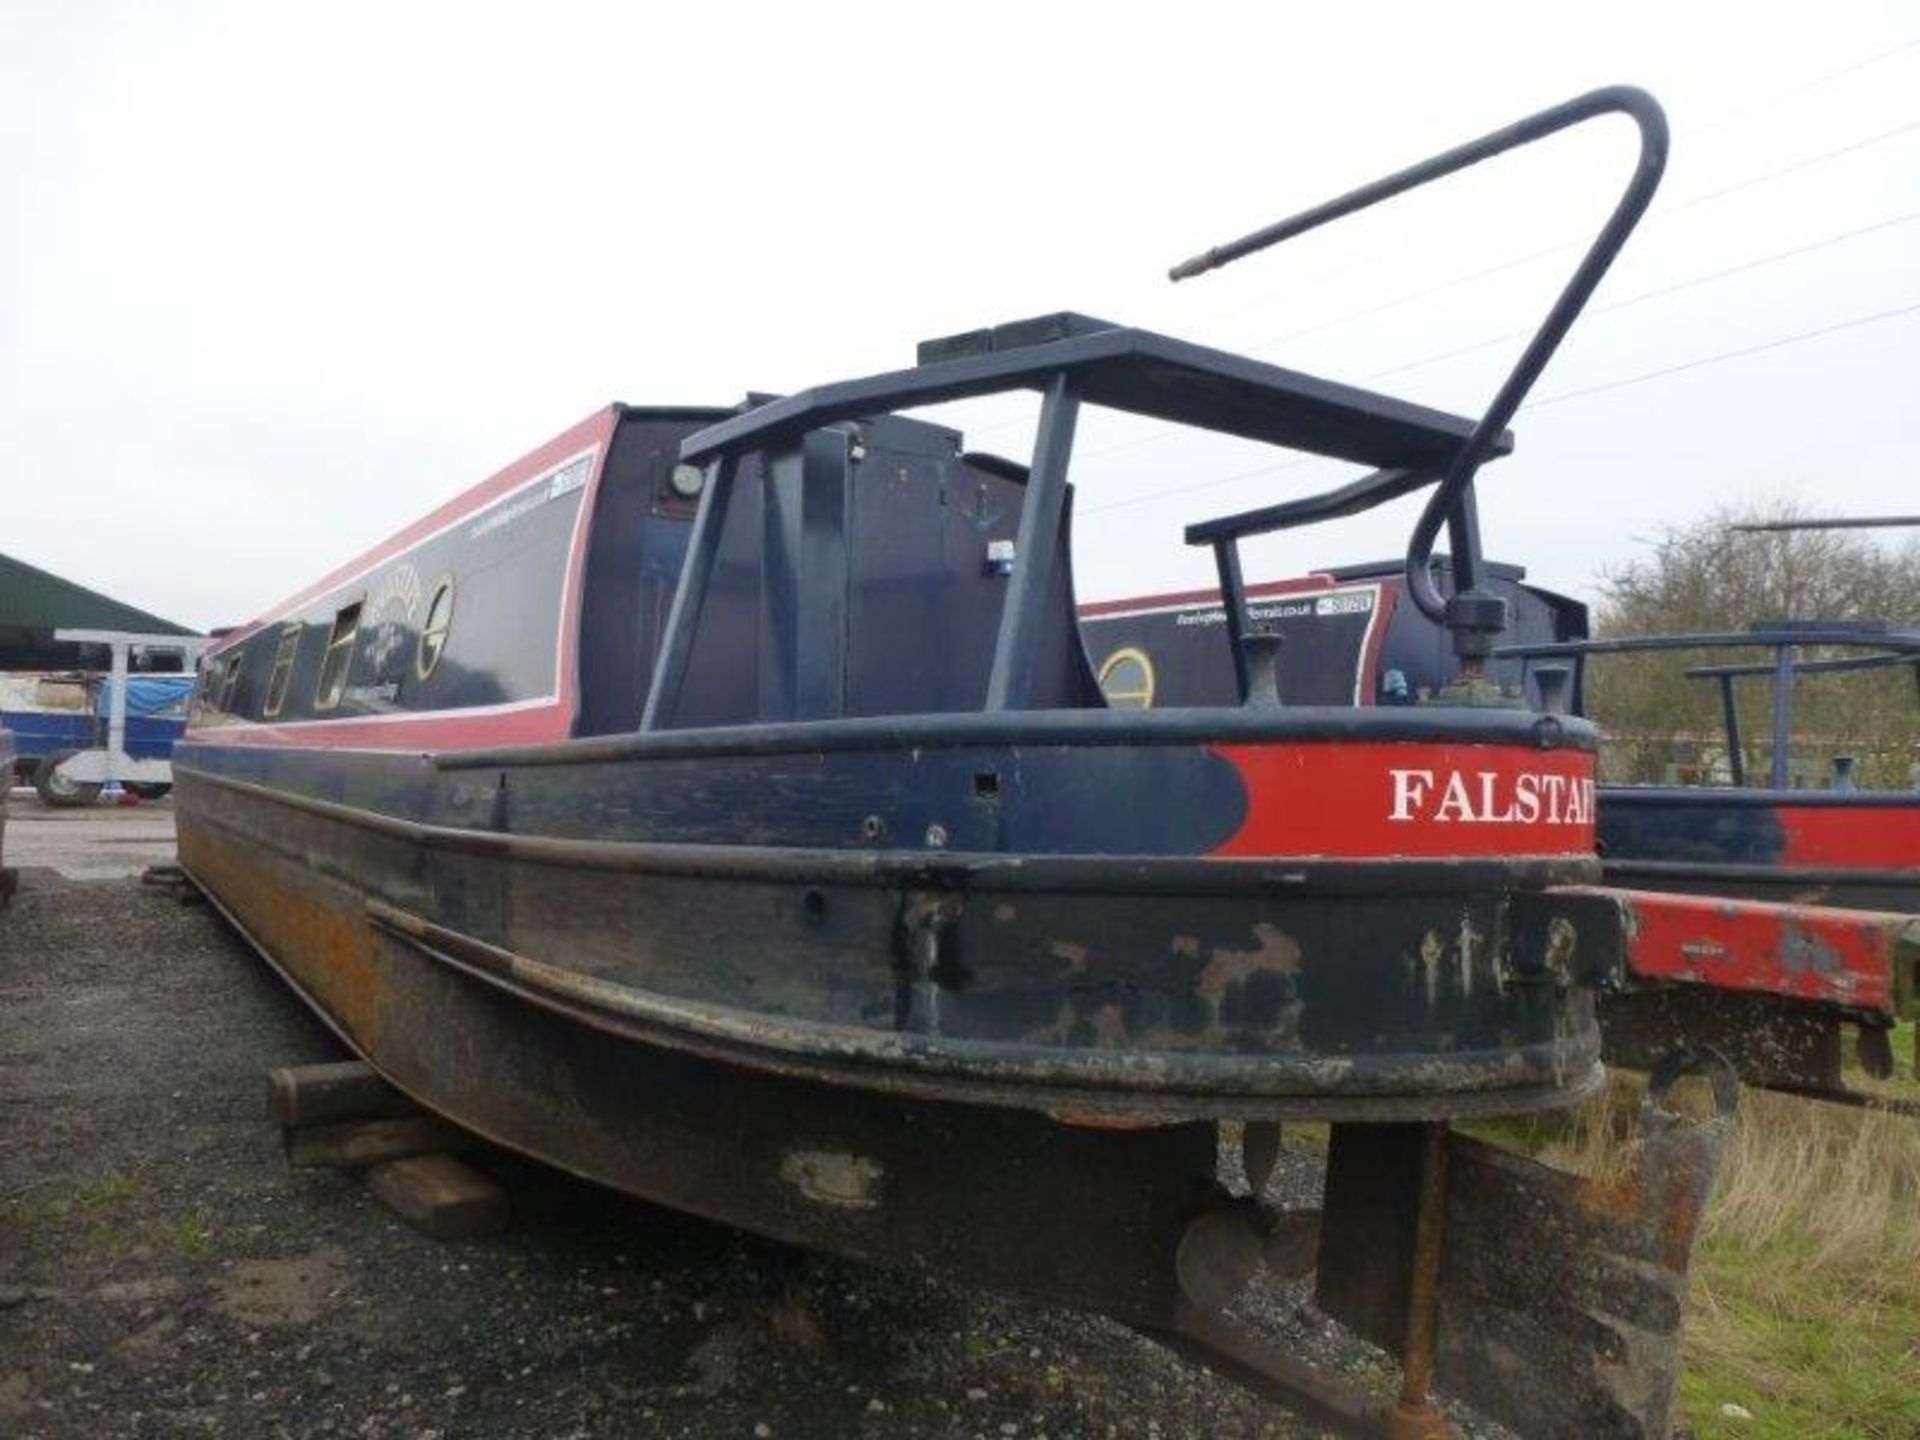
(1487, 797)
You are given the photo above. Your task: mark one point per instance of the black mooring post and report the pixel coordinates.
(1736, 760)
(1782, 713)
(676, 646)
(1011, 680)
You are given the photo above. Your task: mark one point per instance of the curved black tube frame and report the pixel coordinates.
(1450, 503)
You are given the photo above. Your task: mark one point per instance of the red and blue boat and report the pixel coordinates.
(720, 804)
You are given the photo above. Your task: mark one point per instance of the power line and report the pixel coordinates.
(1739, 113)
(1454, 282)
(1705, 360)
(1779, 97)
(1848, 522)
(1659, 212)
(1660, 292)
(1698, 363)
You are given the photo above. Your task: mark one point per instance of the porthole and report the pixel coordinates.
(433, 630)
(1126, 679)
(687, 481)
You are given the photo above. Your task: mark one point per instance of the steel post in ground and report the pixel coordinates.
(1415, 1414)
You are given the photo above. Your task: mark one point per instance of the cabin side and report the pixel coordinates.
(1348, 637)
(863, 572)
(478, 623)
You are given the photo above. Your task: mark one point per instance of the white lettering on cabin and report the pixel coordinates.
(1410, 788)
(1488, 797)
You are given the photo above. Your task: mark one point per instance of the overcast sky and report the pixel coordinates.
(275, 280)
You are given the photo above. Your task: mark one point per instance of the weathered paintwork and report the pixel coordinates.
(1750, 982)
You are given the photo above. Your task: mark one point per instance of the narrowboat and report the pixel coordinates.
(720, 804)
(1780, 1012)
(1350, 636)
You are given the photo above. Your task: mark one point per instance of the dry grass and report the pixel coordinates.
(1841, 1185)
(1806, 1295)
(1805, 1318)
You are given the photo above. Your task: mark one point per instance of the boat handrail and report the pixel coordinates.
(1887, 647)
(1474, 616)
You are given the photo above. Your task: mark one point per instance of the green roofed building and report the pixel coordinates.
(34, 603)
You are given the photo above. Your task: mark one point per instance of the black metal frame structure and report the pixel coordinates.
(1890, 647)
(1473, 615)
(1070, 360)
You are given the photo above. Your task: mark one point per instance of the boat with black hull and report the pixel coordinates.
(720, 805)
(1779, 1011)
(1823, 839)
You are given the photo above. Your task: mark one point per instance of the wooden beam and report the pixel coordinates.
(316, 1094)
(440, 1196)
(368, 1142)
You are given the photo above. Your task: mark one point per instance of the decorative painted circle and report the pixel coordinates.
(433, 630)
(1126, 679)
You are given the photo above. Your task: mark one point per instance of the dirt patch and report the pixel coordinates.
(294, 1291)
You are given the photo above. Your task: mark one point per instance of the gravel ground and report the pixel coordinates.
(95, 842)
(163, 1272)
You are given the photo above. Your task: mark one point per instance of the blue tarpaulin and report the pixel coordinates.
(150, 695)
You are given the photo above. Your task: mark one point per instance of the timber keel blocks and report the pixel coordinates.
(354, 1144)
(345, 1116)
(300, 1095)
(440, 1196)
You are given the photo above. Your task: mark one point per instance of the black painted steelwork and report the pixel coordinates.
(1473, 616)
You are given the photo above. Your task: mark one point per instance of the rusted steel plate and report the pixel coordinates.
(1771, 1040)
(1156, 1004)
(1561, 1296)
(1848, 958)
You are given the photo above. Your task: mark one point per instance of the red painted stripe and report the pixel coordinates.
(1804, 952)
(1305, 584)
(1865, 837)
(1380, 800)
(430, 731)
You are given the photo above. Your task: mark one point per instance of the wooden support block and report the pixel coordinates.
(316, 1094)
(368, 1142)
(440, 1196)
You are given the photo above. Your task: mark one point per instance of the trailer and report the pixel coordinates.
(74, 732)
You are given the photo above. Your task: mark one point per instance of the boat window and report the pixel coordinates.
(282, 669)
(1127, 680)
(339, 657)
(230, 680)
(433, 631)
(206, 689)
